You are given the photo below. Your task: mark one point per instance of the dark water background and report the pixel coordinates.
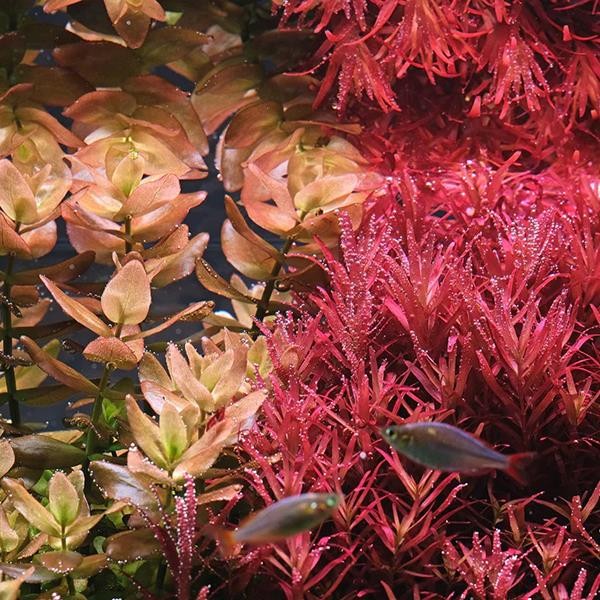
(207, 217)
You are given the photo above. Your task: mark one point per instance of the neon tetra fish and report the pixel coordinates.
(281, 520)
(447, 448)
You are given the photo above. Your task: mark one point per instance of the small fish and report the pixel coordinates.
(447, 448)
(14, 309)
(8, 360)
(281, 520)
(78, 420)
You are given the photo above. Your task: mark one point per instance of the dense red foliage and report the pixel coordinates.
(470, 295)
(473, 286)
(503, 75)
(471, 300)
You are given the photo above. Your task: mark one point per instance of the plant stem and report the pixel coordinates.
(128, 245)
(7, 345)
(92, 436)
(161, 575)
(70, 585)
(263, 303)
(68, 578)
(161, 571)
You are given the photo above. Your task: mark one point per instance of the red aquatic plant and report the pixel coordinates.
(436, 311)
(528, 69)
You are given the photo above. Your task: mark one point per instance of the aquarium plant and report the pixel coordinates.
(410, 238)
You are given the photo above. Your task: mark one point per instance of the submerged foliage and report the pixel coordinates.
(414, 225)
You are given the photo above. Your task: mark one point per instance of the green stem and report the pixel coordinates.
(92, 436)
(169, 498)
(161, 575)
(161, 570)
(263, 303)
(7, 345)
(68, 578)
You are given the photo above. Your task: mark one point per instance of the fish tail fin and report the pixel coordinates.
(517, 466)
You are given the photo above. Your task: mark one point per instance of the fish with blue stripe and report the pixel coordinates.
(280, 520)
(447, 448)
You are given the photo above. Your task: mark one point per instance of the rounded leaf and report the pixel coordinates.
(63, 500)
(43, 452)
(132, 545)
(61, 562)
(7, 457)
(119, 483)
(111, 350)
(126, 298)
(16, 197)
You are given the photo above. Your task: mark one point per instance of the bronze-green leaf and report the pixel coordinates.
(63, 500)
(173, 433)
(76, 310)
(43, 452)
(90, 565)
(213, 282)
(60, 272)
(145, 432)
(7, 457)
(30, 573)
(57, 369)
(117, 482)
(111, 350)
(132, 545)
(30, 508)
(126, 298)
(60, 562)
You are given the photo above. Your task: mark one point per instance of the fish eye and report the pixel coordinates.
(331, 501)
(390, 433)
